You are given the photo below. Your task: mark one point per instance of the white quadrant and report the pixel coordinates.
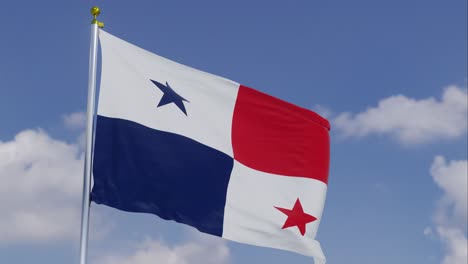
(126, 92)
(250, 215)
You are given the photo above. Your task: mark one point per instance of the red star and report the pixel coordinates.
(297, 217)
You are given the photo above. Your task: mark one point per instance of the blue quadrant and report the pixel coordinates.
(139, 169)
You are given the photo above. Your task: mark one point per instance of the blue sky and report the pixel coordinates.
(391, 76)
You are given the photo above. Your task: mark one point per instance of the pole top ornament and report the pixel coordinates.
(96, 11)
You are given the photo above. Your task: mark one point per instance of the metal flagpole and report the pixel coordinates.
(95, 25)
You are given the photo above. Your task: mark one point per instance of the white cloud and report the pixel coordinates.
(456, 245)
(201, 250)
(410, 120)
(41, 181)
(323, 111)
(452, 178)
(428, 232)
(75, 120)
(450, 216)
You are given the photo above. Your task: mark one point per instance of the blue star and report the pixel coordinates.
(170, 96)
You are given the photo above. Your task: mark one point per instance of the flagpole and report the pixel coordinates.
(95, 25)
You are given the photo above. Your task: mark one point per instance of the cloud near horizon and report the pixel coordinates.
(76, 120)
(201, 249)
(41, 180)
(450, 216)
(411, 121)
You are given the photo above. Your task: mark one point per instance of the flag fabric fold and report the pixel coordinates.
(208, 152)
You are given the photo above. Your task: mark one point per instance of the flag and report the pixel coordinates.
(205, 151)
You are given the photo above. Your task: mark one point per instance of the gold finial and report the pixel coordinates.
(95, 11)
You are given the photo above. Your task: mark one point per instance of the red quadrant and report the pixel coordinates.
(274, 136)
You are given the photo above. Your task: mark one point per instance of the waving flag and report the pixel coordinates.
(205, 151)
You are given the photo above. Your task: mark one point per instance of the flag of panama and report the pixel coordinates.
(205, 151)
